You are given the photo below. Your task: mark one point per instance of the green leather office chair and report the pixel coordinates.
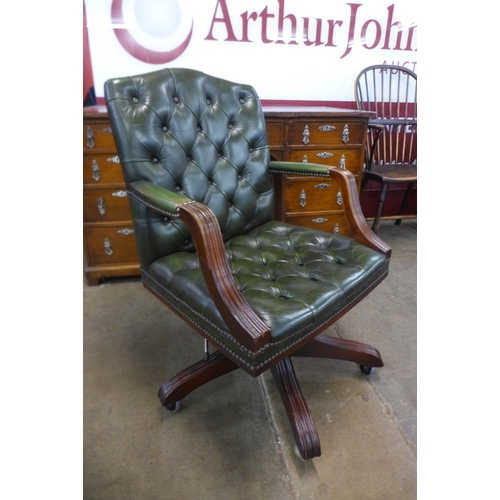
(391, 158)
(196, 163)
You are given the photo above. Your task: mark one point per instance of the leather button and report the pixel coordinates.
(230, 126)
(177, 188)
(209, 101)
(155, 160)
(164, 128)
(135, 100)
(176, 99)
(242, 101)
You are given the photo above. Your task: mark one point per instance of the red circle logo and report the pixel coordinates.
(145, 27)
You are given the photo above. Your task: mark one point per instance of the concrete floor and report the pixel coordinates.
(231, 439)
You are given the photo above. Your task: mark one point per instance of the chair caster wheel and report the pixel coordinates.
(367, 370)
(173, 406)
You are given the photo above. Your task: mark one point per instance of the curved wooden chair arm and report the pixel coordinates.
(242, 321)
(249, 330)
(360, 230)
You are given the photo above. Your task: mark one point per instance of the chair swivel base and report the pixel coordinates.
(299, 416)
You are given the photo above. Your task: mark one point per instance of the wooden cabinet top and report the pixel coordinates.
(95, 112)
(285, 111)
(313, 112)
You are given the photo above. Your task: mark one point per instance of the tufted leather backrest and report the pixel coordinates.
(196, 135)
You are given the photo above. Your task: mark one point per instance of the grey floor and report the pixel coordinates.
(231, 438)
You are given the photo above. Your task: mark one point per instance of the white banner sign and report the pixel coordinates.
(289, 50)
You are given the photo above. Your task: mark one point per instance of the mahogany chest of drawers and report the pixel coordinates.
(324, 135)
(108, 234)
(330, 136)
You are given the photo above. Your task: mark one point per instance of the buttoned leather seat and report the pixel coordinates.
(196, 162)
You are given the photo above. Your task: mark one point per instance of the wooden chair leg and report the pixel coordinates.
(186, 381)
(324, 346)
(303, 427)
(405, 202)
(381, 200)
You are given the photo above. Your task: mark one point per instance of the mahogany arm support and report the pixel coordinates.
(360, 230)
(243, 323)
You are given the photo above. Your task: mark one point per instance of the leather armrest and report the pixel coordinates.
(296, 168)
(242, 321)
(360, 230)
(160, 199)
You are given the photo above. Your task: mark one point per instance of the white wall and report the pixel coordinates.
(251, 41)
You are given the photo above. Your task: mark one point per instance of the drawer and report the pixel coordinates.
(110, 245)
(275, 133)
(329, 222)
(349, 159)
(105, 205)
(97, 135)
(329, 133)
(311, 196)
(102, 169)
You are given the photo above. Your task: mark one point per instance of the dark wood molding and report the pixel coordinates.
(324, 346)
(242, 321)
(303, 427)
(360, 230)
(189, 379)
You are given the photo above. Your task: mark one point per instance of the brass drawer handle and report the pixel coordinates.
(107, 246)
(324, 154)
(305, 135)
(326, 128)
(339, 198)
(101, 205)
(342, 162)
(320, 220)
(107, 243)
(322, 186)
(302, 198)
(96, 173)
(345, 134)
(90, 138)
(114, 159)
